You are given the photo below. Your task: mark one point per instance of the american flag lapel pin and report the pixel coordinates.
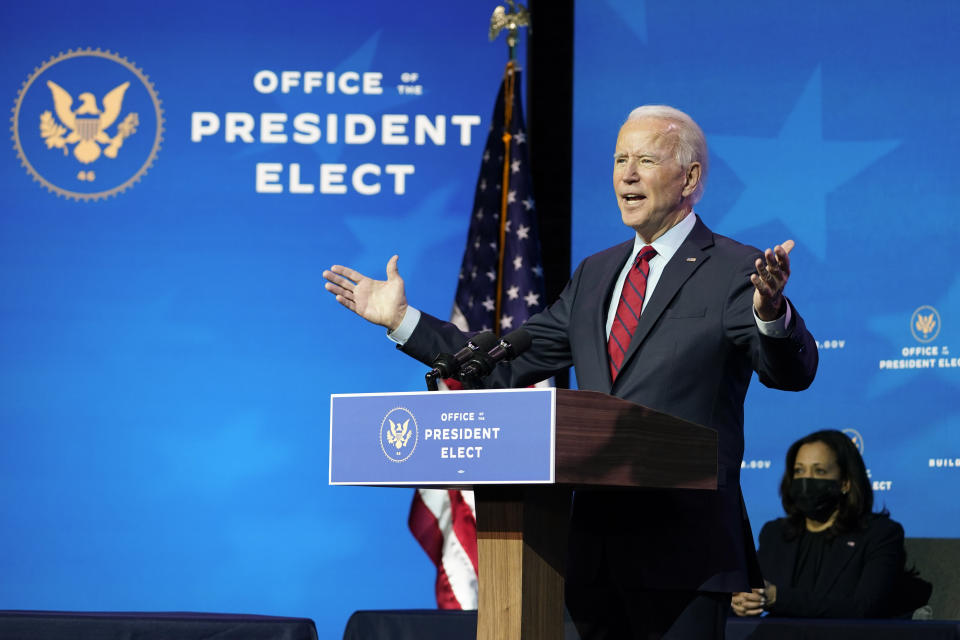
(691, 259)
(851, 543)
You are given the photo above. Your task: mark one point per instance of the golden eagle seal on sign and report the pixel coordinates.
(87, 124)
(399, 435)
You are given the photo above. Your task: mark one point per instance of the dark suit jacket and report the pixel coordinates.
(858, 576)
(692, 356)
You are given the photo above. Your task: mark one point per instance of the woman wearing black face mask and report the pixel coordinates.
(831, 557)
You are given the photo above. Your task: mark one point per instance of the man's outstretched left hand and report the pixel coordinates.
(773, 271)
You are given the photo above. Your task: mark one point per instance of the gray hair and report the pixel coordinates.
(691, 145)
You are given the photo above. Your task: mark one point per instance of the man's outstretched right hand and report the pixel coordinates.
(382, 302)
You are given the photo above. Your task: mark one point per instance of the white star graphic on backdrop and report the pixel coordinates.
(515, 166)
(518, 262)
(521, 137)
(523, 232)
(492, 275)
(433, 229)
(513, 292)
(511, 197)
(528, 204)
(537, 271)
(489, 304)
(479, 214)
(506, 322)
(788, 178)
(532, 299)
(486, 155)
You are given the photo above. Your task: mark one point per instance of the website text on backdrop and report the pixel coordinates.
(712, 313)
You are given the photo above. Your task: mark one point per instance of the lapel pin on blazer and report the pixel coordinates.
(851, 543)
(691, 259)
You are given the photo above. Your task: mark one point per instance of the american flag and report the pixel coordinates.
(500, 285)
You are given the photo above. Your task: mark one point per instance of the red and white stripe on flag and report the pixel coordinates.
(444, 522)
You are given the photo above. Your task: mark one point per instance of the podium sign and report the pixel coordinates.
(504, 436)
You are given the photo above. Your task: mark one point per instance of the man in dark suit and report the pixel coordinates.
(679, 329)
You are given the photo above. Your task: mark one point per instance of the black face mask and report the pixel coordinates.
(815, 498)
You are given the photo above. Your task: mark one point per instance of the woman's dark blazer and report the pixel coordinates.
(859, 573)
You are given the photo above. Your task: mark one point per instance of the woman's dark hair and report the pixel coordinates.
(855, 506)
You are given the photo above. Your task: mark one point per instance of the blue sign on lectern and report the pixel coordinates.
(446, 438)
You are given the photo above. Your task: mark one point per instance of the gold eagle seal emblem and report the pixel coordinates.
(398, 434)
(855, 437)
(87, 131)
(87, 104)
(925, 324)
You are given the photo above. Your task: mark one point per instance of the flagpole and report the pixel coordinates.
(511, 21)
(508, 89)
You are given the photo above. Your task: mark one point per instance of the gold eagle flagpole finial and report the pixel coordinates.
(512, 21)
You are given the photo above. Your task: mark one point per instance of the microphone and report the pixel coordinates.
(509, 347)
(448, 366)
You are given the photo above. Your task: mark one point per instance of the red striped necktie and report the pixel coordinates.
(628, 311)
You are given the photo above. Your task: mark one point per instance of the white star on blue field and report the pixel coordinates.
(896, 330)
(788, 178)
(382, 236)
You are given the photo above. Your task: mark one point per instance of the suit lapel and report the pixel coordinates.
(835, 560)
(689, 257)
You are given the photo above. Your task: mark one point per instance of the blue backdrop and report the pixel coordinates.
(168, 350)
(832, 124)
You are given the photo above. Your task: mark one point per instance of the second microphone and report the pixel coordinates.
(482, 364)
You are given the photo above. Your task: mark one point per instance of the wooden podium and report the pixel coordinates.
(598, 440)
(522, 530)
